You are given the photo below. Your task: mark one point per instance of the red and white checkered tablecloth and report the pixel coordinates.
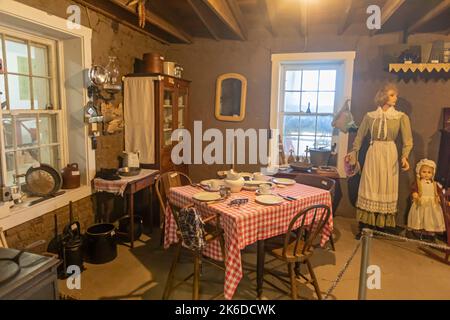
(118, 186)
(248, 223)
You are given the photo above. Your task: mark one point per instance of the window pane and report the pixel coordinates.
(47, 129)
(41, 93)
(293, 80)
(323, 142)
(291, 125)
(8, 131)
(26, 159)
(50, 155)
(39, 60)
(2, 92)
(290, 143)
(26, 131)
(305, 142)
(310, 80)
(327, 80)
(1, 54)
(17, 56)
(308, 125)
(291, 101)
(19, 92)
(10, 168)
(326, 102)
(309, 99)
(324, 127)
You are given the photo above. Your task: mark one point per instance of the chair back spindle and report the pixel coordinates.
(305, 233)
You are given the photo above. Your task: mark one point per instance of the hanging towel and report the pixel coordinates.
(139, 116)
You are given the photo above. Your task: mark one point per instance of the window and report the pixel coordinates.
(30, 107)
(307, 89)
(308, 98)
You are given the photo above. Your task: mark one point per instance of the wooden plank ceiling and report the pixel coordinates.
(180, 21)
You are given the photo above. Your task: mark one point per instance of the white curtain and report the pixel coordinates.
(139, 117)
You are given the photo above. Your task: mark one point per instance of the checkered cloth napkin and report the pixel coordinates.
(118, 186)
(248, 223)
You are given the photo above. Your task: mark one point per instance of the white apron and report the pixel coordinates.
(428, 214)
(378, 189)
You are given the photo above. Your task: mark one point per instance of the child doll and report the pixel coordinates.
(426, 213)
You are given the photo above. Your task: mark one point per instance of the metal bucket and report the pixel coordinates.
(101, 244)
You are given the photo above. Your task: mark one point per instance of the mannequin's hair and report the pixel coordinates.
(382, 95)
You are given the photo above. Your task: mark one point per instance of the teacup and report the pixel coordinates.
(214, 184)
(258, 176)
(264, 189)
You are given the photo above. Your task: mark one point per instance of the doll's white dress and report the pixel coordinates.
(428, 214)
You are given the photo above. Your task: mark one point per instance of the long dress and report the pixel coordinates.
(427, 215)
(378, 189)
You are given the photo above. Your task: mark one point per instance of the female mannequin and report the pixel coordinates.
(378, 189)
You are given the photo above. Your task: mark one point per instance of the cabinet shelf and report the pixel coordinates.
(420, 67)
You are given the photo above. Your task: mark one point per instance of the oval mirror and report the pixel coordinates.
(231, 92)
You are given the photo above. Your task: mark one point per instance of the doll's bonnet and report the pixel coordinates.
(425, 162)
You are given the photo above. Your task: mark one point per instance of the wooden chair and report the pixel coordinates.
(163, 183)
(212, 232)
(3, 243)
(297, 247)
(321, 183)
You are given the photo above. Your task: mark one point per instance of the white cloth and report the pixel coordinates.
(427, 214)
(383, 116)
(139, 117)
(378, 189)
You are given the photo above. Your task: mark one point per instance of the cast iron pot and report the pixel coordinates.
(124, 231)
(101, 244)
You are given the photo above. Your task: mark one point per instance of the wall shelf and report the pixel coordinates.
(421, 67)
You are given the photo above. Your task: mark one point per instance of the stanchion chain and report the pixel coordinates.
(429, 244)
(343, 270)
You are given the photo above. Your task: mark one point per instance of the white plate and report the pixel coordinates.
(269, 199)
(257, 183)
(284, 181)
(263, 194)
(254, 185)
(206, 196)
(205, 184)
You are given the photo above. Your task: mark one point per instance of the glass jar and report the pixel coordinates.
(112, 70)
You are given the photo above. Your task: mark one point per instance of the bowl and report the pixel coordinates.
(129, 171)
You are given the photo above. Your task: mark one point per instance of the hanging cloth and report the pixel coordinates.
(139, 117)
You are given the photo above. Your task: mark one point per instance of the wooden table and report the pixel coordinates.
(291, 174)
(129, 186)
(248, 224)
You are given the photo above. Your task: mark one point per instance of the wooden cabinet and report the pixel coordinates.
(443, 165)
(171, 112)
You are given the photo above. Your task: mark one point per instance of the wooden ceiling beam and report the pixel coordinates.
(224, 13)
(236, 10)
(346, 17)
(430, 15)
(157, 21)
(267, 11)
(199, 10)
(119, 15)
(388, 10)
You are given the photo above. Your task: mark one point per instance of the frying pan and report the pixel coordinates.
(43, 180)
